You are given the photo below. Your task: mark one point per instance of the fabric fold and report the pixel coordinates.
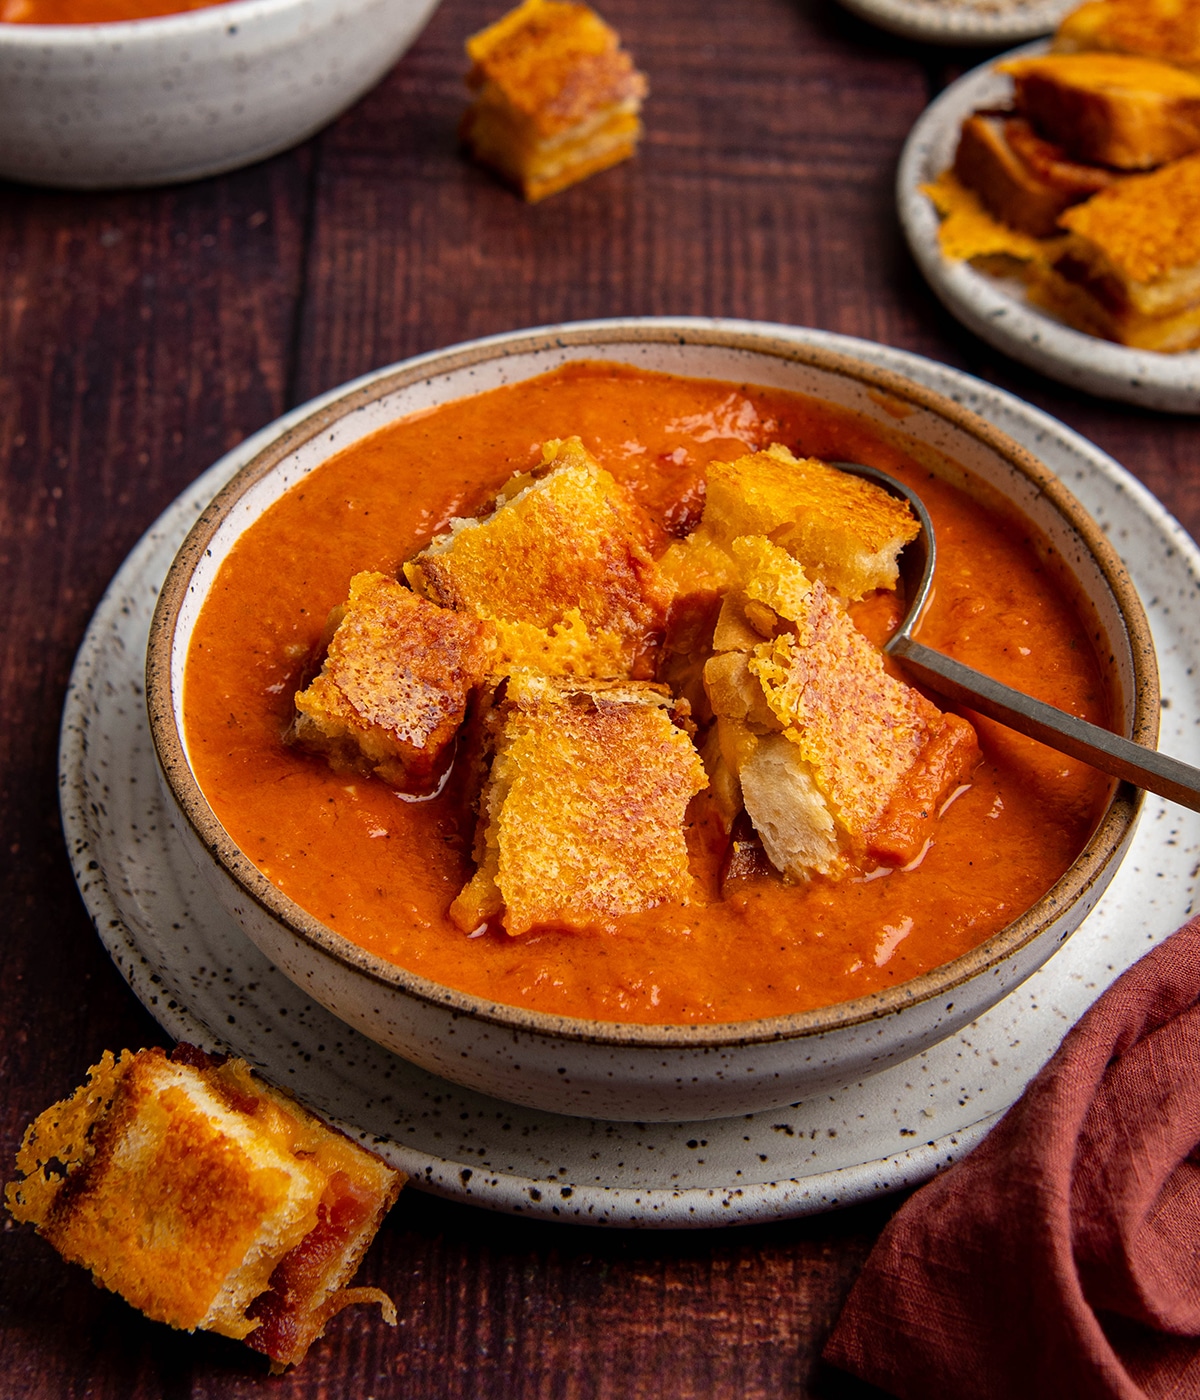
(1061, 1258)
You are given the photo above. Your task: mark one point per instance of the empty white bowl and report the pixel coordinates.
(618, 1070)
(154, 101)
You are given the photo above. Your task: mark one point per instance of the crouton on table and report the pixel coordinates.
(556, 97)
(205, 1198)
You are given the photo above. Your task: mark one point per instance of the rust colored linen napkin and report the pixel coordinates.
(1061, 1258)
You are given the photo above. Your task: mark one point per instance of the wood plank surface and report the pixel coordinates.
(144, 333)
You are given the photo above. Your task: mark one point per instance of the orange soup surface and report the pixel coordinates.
(93, 11)
(383, 870)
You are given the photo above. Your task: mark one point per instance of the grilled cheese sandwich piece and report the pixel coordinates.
(582, 815)
(1021, 179)
(393, 689)
(823, 740)
(1167, 30)
(556, 97)
(205, 1198)
(561, 570)
(842, 529)
(1130, 271)
(1110, 109)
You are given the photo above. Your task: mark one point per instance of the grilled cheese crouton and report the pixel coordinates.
(1131, 269)
(842, 529)
(568, 551)
(1110, 109)
(556, 97)
(823, 740)
(393, 690)
(1167, 30)
(582, 815)
(205, 1198)
(1021, 179)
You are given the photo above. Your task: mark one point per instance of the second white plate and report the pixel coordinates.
(963, 21)
(997, 311)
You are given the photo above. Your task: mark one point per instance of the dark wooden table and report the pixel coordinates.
(143, 334)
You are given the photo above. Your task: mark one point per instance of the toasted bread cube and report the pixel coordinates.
(823, 740)
(205, 1198)
(1131, 269)
(1110, 109)
(569, 548)
(1021, 179)
(858, 728)
(395, 683)
(842, 529)
(582, 816)
(1168, 30)
(556, 97)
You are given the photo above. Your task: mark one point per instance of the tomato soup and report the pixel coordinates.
(383, 870)
(92, 11)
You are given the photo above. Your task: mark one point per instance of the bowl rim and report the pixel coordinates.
(762, 338)
(214, 16)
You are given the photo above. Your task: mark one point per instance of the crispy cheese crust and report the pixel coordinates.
(1110, 109)
(843, 530)
(394, 686)
(582, 816)
(188, 1186)
(1168, 30)
(561, 569)
(556, 97)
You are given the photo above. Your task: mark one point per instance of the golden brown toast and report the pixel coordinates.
(842, 529)
(556, 97)
(1167, 30)
(582, 815)
(394, 686)
(562, 570)
(205, 1198)
(1022, 180)
(823, 740)
(1131, 269)
(1110, 109)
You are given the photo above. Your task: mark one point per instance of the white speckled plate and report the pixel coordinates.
(204, 981)
(963, 21)
(997, 310)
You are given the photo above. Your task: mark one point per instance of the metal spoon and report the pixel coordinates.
(1108, 752)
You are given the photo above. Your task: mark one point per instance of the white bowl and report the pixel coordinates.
(616, 1070)
(153, 101)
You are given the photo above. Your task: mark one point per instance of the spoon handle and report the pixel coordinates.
(1112, 754)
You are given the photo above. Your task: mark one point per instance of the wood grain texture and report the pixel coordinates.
(142, 334)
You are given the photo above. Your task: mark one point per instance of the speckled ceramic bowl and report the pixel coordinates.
(610, 1070)
(154, 101)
